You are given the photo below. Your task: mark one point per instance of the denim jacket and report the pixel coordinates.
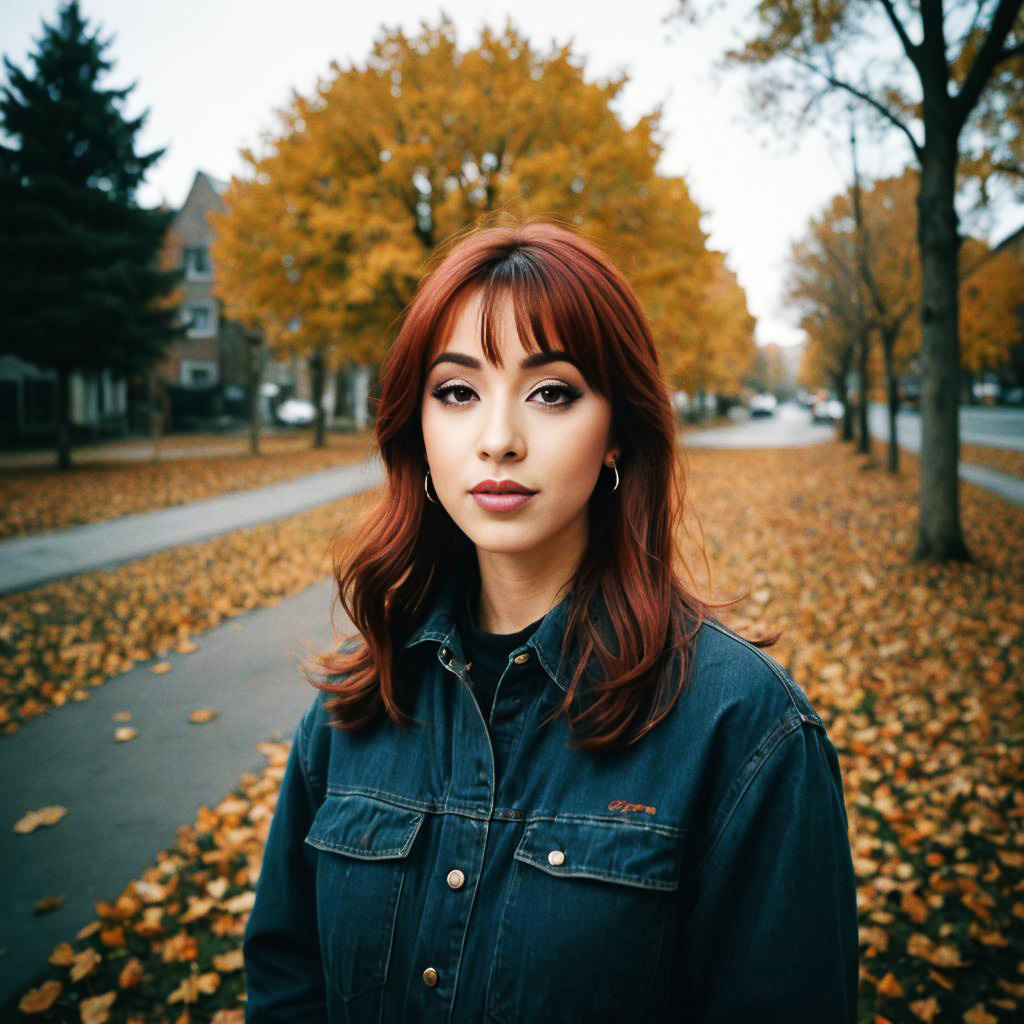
(466, 870)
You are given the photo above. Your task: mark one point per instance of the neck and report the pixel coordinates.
(517, 589)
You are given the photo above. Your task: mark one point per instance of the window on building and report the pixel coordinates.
(201, 318)
(198, 373)
(197, 263)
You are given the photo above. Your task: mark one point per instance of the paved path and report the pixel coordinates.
(991, 428)
(984, 427)
(29, 561)
(126, 800)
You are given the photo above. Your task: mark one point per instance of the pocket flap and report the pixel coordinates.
(363, 827)
(605, 851)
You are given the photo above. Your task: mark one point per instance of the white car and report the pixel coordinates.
(296, 412)
(763, 405)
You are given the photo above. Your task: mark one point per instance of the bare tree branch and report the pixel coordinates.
(911, 49)
(881, 108)
(990, 55)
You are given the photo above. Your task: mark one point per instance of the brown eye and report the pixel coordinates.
(459, 393)
(557, 395)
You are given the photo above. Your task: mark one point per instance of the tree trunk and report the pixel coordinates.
(316, 384)
(939, 536)
(254, 377)
(893, 395)
(156, 412)
(863, 430)
(63, 439)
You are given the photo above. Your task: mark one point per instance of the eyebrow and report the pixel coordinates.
(537, 359)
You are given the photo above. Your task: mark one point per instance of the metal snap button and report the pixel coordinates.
(430, 977)
(556, 857)
(522, 659)
(444, 654)
(455, 879)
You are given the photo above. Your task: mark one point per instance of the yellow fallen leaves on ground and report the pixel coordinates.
(915, 669)
(59, 641)
(36, 819)
(38, 499)
(179, 927)
(201, 716)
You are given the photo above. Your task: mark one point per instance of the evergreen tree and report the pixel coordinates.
(81, 287)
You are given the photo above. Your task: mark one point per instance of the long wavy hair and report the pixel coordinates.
(565, 293)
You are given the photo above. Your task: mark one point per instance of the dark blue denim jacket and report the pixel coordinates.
(463, 871)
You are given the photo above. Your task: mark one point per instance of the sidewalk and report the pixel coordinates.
(30, 561)
(126, 800)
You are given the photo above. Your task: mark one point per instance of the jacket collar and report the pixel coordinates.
(440, 626)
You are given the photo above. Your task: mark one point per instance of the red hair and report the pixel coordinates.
(565, 293)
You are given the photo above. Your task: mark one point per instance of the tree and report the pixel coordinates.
(80, 283)
(324, 242)
(950, 83)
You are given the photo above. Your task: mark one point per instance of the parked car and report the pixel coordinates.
(826, 410)
(295, 412)
(763, 405)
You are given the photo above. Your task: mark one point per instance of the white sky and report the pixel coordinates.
(211, 73)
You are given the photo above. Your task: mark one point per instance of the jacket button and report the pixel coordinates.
(556, 857)
(430, 977)
(444, 654)
(522, 659)
(455, 879)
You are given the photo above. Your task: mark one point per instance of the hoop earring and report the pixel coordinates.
(616, 487)
(426, 490)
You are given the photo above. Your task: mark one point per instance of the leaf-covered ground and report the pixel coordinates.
(916, 670)
(60, 640)
(41, 498)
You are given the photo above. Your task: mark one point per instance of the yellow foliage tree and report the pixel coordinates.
(324, 243)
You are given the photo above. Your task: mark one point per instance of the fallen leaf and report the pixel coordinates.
(97, 1009)
(125, 733)
(39, 1000)
(160, 668)
(36, 819)
(122, 716)
(202, 716)
(84, 964)
(131, 973)
(47, 905)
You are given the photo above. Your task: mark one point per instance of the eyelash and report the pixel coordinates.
(442, 391)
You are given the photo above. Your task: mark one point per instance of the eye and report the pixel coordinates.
(568, 394)
(457, 391)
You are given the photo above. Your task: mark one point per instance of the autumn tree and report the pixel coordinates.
(950, 83)
(325, 240)
(81, 287)
(823, 286)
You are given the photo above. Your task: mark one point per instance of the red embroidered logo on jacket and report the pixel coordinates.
(622, 805)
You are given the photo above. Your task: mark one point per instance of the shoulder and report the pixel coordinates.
(729, 671)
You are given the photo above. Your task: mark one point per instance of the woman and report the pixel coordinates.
(543, 783)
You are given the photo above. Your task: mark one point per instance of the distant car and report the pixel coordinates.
(987, 392)
(295, 412)
(826, 410)
(1014, 396)
(763, 405)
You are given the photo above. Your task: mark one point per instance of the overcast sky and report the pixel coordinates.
(211, 73)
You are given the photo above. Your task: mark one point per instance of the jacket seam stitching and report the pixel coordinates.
(814, 717)
(752, 767)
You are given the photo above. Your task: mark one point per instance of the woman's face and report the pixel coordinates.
(540, 426)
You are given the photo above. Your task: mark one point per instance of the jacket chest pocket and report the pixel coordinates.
(584, 920)
(363, 846)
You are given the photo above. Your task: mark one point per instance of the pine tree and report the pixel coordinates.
(81, 287)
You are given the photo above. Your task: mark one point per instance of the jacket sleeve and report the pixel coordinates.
(283, 970)
(769, 932)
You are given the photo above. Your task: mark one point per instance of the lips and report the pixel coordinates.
(500, 487)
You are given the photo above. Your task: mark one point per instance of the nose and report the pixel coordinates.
(501, 437)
